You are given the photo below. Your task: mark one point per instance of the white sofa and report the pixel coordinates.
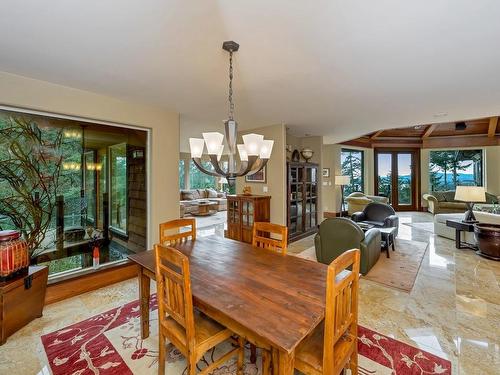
(442, 230)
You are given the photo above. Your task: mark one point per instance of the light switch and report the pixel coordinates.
(264, 189)
(325, 183)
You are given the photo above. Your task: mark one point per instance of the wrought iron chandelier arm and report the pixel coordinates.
(217, 168)
(246, 166)
(197, 162)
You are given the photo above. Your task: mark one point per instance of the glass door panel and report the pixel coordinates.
(405, 178)
(384, 175)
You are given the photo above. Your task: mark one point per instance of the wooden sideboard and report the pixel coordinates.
(242, 212)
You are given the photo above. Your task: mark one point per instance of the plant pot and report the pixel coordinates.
(488, 240)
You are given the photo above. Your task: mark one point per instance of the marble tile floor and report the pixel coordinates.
(453, 310)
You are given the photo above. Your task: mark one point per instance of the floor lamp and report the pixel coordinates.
(342, 181)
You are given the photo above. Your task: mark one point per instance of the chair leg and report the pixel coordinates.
(353, 362)
(161, 355)
(266, 362)
(253, 353)
(191, 370)
(241, 355)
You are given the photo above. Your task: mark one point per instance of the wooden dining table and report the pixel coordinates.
(272, 300)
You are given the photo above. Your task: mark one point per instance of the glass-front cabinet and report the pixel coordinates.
(242, 212)
(302, 199)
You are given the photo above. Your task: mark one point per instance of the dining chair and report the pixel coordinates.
(190, 331)
(262, 236)
(333, 346)
(170, 231)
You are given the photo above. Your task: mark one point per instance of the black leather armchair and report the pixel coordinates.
(379, 215)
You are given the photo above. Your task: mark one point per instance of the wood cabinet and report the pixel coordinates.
(22, 300)
(303, 199)
(242, 212)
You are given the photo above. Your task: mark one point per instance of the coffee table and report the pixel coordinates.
(388, 238)
(205, 209)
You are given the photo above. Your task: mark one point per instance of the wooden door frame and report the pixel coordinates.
(415, 184)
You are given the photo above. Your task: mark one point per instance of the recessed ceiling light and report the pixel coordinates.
(418, 127)
(440, 114)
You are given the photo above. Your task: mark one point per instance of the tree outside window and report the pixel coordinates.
(352, 165)
(449, 169)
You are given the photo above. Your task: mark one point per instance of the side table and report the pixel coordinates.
(460, 227)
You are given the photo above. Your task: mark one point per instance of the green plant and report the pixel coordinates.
(30, 168)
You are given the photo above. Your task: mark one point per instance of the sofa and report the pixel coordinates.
(357, 201)
(379, 215)
(337, 235)
(442, 230)
(440, 202)
(190, 199)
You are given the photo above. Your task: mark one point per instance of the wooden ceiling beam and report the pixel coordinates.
(492, 128)
(429, 130)
(377, 134)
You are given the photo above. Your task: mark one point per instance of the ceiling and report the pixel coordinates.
(334, 68)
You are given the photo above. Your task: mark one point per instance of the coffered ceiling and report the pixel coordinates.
(335, 68)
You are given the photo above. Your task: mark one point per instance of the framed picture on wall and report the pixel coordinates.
(260, 176)
(326, 172)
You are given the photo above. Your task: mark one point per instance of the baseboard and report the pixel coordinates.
(69, 288)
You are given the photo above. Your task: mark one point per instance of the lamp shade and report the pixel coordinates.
(342, 180)
(196, 145)
(266, 149)
(253, 143)
(470, 194)
(243, 152)
(213, 140)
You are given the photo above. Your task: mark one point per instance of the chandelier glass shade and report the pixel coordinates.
(253, 153)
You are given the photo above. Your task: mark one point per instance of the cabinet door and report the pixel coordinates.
(233, 212)
(247, 213)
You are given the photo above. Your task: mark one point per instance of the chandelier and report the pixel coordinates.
(254, 153)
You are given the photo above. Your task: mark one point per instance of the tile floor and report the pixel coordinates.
(453, 310)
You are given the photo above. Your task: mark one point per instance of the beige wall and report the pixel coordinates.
(22, 92)
(276, 173)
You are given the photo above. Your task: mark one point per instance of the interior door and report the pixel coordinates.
(396, 178)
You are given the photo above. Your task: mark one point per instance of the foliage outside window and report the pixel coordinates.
(118, 186)
(352, 165)
(449, 169)
(182, 184)
(200, 180)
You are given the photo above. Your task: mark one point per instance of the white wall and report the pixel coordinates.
(27, 93)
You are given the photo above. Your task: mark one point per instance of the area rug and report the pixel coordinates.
(426, 226)
(399, 271)
(110, 344)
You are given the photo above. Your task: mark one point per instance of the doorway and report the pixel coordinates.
(396, 175)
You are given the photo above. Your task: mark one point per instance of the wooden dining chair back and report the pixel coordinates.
(170, 231)
(333, 346)
(191, 332)
(341, 315)
(174, 292)
(270, 236)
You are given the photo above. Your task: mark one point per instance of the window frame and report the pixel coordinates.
(362, 152)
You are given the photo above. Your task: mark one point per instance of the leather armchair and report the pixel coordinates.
(337, 235)
(379, 215)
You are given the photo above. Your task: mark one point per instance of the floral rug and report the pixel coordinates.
(110, 343)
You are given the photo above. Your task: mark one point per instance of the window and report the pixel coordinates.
(118, 159)
(200, 180)
(90, 185)
(352, 165)
(449, 169)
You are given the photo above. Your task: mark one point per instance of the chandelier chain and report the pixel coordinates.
(231, 104)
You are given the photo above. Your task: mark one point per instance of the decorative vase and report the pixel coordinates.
(307, 154)
(488, 240)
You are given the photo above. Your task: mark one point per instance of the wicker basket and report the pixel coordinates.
(14, 256)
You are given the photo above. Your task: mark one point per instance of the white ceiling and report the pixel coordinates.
(334, 68)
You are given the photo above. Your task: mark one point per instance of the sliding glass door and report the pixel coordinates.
(395, 177)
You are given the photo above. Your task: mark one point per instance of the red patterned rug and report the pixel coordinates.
(110, 343)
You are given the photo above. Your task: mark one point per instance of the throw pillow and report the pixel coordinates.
(211, 193)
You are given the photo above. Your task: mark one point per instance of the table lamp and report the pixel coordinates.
(470, 195)
(342, 181)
